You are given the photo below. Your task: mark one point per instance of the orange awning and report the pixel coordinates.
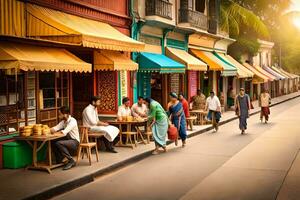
(205, 58)
(258, 76)
(31, 57)
(113, 60)
(58, 26)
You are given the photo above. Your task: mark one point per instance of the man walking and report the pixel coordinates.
(213, 106)
(243, 106)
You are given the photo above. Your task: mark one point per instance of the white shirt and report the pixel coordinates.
(68, 127)
(124, 111)
(90, 116)
(213, 103)
(136, 108)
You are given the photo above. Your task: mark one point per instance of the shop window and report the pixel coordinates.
(200, 5)
(12, 113)
(62, 92)
(47, 90)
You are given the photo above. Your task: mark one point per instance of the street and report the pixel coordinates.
(222, 165)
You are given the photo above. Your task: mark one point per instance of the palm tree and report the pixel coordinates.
(233, 16)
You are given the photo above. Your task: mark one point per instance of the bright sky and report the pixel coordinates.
(295, 5)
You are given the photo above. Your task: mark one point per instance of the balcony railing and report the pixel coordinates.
(160, 8)
(213, 26)
(194, 18)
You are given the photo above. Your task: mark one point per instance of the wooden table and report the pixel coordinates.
(37, 143)
(200, 116)
(129, 125)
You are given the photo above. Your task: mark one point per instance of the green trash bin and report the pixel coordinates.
(19, 154)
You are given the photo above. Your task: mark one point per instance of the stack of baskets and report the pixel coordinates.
(36, 130)
(26, 130)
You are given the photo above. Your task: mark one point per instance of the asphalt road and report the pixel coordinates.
(218, 166)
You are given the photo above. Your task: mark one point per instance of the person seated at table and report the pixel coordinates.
(139, 109)
(198, 101)
(90, 119)
(124, 110)
(63, 147)
(185, 105)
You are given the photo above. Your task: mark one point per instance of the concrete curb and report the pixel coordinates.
(73, 184)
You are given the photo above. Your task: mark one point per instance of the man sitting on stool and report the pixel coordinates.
(62, 147)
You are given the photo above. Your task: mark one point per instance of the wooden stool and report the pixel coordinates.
(129, 138)
(85, 146)
(190, 121)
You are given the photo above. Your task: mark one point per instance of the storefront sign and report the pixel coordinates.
(193, 83)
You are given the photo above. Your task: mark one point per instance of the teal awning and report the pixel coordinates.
(151, 62)
(229, 68)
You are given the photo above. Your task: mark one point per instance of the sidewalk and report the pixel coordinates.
(22, 184)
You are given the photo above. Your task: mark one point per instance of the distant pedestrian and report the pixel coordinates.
(159, 124)
(198, 101)
(213, 106)
(185, 105)
(243, 105)
(264, 102)
(177, 117)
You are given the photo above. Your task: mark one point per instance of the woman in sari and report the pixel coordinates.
(177, 117)
(243, 109)
(159, 125)
(264, 103)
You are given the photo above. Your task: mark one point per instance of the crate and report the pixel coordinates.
(19, 154)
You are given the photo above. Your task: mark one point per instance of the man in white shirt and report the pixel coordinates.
(124, 110)
(213, 106)
(62, 147)
(90, 119)
(139, 109)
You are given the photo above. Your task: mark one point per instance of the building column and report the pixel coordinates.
(225, 89)
(215, 83)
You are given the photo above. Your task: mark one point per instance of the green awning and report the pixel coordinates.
(229, 68)
(151, 62)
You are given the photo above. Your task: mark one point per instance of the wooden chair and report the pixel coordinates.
(85, 146)
(190, 122)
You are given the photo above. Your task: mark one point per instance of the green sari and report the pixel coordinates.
(160, 127)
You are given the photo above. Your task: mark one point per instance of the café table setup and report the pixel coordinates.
(132, 128)
(37, 136)
(200, 114)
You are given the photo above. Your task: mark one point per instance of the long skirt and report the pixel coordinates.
(181, 124)
(265, 112)
(111, 132)
(243, 122)
(159, 131)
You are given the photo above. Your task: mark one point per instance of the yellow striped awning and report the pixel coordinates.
(187, 59)
(214, 66)
(242, 71)
(113, 60)
(31, 57)
(62, 27)
(258, 76)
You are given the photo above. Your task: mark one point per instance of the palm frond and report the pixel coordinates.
(236, 15)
